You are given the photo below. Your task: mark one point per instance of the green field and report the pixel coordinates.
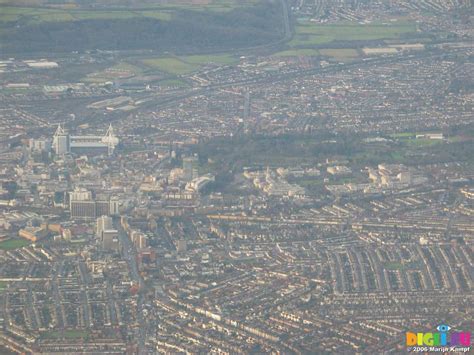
(308, 34)
(423, 142)
(171, 65)
(32, 15)
(206, 59)
(297, 150)
(3, 286)
(214, 5)
(174, 83)
(339, 53)
(310, 184)
(298, 53)
(403, 135)
(67, 334)
(13, 244)
(410, 141)
(392, 265)
(187, 64)
(120, 70)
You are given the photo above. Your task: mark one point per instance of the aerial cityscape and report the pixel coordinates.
(236, 176)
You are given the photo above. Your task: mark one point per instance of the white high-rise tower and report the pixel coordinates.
(60, 141)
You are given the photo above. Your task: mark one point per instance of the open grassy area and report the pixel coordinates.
(213, 5)
(121, 70)
(13, 91)
(403, 135)
(171, 65)
(187, 64)
(409, 140)
(173, 83)
(339, 53)
(412, 265)
(232, 155)
(67, 334)
(224, 59)
(423, 142)
(164, 15)
(298, 53)
(33, 15)
(309, 34)
(3, 286)
(310, 184)
(13, 244)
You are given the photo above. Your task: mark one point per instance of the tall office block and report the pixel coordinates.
(107, 235)
(103, 223)
(190, 168)
(114, 207)
(83, 205)
(83, 209)
(61, 141)
(110, 240)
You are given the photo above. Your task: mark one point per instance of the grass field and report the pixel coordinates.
(31, 15)
(214, 5)
(171, 65)
(308, 34)
(403, 135)
(120, 70)
(174, 83)
(410, 141)
(205, 59)
(310, 183)
(423, 142)
(67, 334)
(13, 244)
(298, 53)
(187, 64)
(412, 265)
(3, 286)
(339, 53)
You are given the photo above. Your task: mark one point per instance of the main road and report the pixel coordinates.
(129, 253)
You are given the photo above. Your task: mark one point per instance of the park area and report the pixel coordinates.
(11, 244)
